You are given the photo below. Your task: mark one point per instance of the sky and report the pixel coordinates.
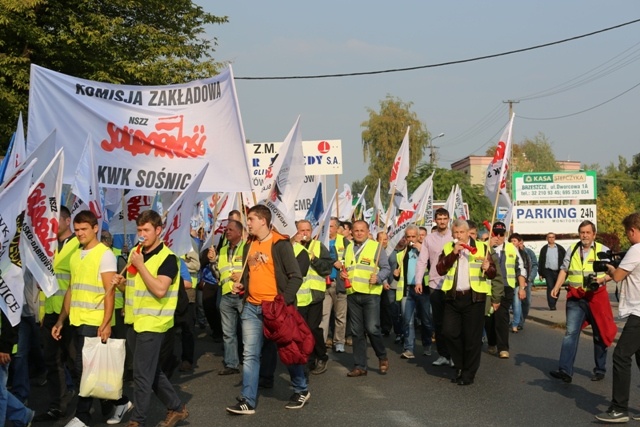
(465, 101)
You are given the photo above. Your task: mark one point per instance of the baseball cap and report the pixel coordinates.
(499, 228)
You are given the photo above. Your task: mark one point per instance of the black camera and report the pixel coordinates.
(605, 258)
(590, 283)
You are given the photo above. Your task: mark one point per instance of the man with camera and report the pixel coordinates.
(626, 271)
(587, 301)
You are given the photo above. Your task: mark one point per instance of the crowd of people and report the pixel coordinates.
(267, 296)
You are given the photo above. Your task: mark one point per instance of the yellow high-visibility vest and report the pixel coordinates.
(62, 269)
(360, 270)
(144, 310)
(87, 289)
(578, 268)
(227, 266)
(476, 277)
(312, 281)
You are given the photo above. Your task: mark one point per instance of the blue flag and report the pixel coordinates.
(316, 209)
(7, 158)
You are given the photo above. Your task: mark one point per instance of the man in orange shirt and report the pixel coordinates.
(271, 268)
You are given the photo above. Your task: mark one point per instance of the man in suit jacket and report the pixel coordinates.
(550, 260)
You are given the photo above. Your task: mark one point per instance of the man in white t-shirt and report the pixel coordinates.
(89, 300)
(628, 272)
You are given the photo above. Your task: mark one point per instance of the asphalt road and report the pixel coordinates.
(513, 392)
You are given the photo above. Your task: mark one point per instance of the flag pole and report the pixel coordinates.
(337, 204)
(386, 221)
(124, 222)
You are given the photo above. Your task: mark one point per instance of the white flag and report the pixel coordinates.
(85, 184)
(345, 204)
(397, 231)
(450, 204)
(39, 239)
(13, 202)
(400, 170)
(284, 170)
(283, 180)
(424, 196)
(44, 153)
(458, 209)
(177, 233)
(18, 151)
(497, 169)
(322, 231)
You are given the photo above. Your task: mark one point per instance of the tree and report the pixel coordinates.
(613, 206)
(151, 42)
(382, 137)
(480, 207)
(624, 176)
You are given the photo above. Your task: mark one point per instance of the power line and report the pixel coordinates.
(583, 111)
(606, 68)
(441, 64)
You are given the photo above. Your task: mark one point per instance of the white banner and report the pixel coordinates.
(148, 137)
(13, 201)
(39, 239)
(559, 219)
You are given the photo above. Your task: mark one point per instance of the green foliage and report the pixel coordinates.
(624, 176)
(382, 137)
(151, 42)
(613, 206)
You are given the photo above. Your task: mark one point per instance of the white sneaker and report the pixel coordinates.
(451, 363)
(441, 361)
(339, 348)
(75, 422)
(119, 413)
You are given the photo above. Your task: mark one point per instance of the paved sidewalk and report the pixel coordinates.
(539, 311)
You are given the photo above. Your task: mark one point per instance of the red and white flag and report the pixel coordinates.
(135, 202)
(400, 170)
(496, 178)
(85, 184)
(177, 230)
(39, 238)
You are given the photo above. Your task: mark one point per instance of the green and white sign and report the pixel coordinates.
(542, 186)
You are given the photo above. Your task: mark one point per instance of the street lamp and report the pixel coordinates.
(432, 153)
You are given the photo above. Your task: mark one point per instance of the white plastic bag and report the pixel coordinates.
(102, 368)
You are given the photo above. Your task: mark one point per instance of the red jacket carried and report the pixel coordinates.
(283, 325)
(600, 310)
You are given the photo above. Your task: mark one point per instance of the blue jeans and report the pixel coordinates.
(253, 337)
(410, 304)
(364, 311)
(29, 348)
(10, 407)
(521, 307)
(230, 309)
(577, 312)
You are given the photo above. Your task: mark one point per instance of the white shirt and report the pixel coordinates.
(630, 288)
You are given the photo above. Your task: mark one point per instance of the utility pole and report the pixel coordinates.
(433, 159)
(510, 102)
